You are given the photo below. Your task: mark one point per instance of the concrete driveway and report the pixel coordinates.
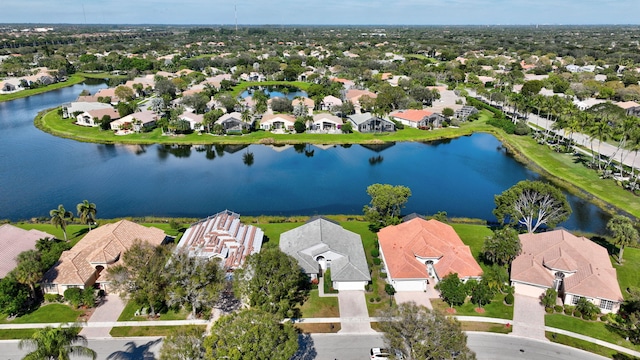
(418, 297)
(354, 317)
(109, 310)
(528, 317)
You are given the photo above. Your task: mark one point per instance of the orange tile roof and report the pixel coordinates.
(587, 268)
(101, 246)
(412, 115)
(402, 246)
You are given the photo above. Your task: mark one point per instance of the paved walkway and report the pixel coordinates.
(528, 317)
(321, 289)
(108, 311)
(354, 316)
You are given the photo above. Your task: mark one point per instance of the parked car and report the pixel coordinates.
(381, 353)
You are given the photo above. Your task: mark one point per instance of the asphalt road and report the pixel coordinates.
(340, 347)
(508, 347)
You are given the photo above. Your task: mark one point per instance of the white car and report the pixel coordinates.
(379, 353)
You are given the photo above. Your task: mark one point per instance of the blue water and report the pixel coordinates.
(274, 94)
(38, 171)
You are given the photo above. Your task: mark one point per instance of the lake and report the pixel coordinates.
(39, 171)
(277, 91)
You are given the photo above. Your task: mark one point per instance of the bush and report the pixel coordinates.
(383, 275)
(73, 296)
(508, 299)
(371, 300)
(558, 308)
(568, 309)
(522, 128)
(376, 261)
(89, 297)
(577, 314)
(52, 298)
(503, 123)
(377, 298)
(375, 253)
(548, 310)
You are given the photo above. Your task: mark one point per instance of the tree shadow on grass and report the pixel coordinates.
(135, 352)
(611, 249)
(306, 350)
(80, 232)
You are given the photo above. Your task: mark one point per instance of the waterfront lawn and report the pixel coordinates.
(568, 170)
(52, 313)
(495, 309)
(72, 80)
(75, 232)
(629, 271)
(53, 123)
(317, 306)
(594, 329)
(473, 236)
(101, 75)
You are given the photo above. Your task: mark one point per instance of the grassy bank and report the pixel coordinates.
(595, 329)
(73, 79)
(51, 122)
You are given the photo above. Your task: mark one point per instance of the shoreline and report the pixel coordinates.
(606, 195)
(73, 80)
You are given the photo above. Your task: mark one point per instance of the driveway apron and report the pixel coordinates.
(528, 317)
(108, 311)
(354, 317)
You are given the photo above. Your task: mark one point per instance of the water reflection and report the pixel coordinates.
(378, 147)
(375, 160)
(179, 151)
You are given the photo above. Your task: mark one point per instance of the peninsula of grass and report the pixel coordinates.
(73, 79)
(50, 121)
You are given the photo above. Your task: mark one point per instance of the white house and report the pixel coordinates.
(277, 122)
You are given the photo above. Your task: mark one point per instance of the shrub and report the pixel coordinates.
(52, 298)
(376, 261)
(371, 300)
(548, 310)
(503, 123)
(522, 128)
(375, 253)
(577, 314)
(508, 299)
(383, 275)
(73, 296)
(568, 309)
(89, 297)
(377, 298)
(558, 308)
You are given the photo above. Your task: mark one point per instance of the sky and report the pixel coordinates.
(323, 12)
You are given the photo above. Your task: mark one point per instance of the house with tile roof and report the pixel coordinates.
(330, 102)
(233, 122)
(418, 252)
(222, 236)
(88, 262)
(13, 241)
(326, 122)
(277, 122)
(575, 266)
(322, 244)
(412, 117)
(93, 117)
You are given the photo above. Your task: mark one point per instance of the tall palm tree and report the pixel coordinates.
(87, 212)
(61, 217)
(621, 227)
(601, 131)
(57, 344)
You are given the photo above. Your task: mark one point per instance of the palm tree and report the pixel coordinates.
(57, 344)
(61, 217)
(601, 131)
(87, 212)
(623, 232)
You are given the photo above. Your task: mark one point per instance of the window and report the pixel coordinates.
(606, 304)
(575, 299)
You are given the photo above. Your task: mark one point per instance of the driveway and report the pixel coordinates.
(528, 317)
(108, 311)
(418, 297)
(354, 317)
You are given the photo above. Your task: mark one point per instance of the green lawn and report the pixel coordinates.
(128, 331)
(594, 329)
(73, 79)
(473, 235)
(317, 306)
(581, 344)
(128, 314)
(629, 271)
(496, 309)
(52, 313)
(75, 232)
(100, 75)
(53, 123)
(11, 334)
(567, 170)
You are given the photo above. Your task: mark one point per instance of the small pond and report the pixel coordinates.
(277, 91)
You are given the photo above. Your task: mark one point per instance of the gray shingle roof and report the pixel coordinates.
(322, 237)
